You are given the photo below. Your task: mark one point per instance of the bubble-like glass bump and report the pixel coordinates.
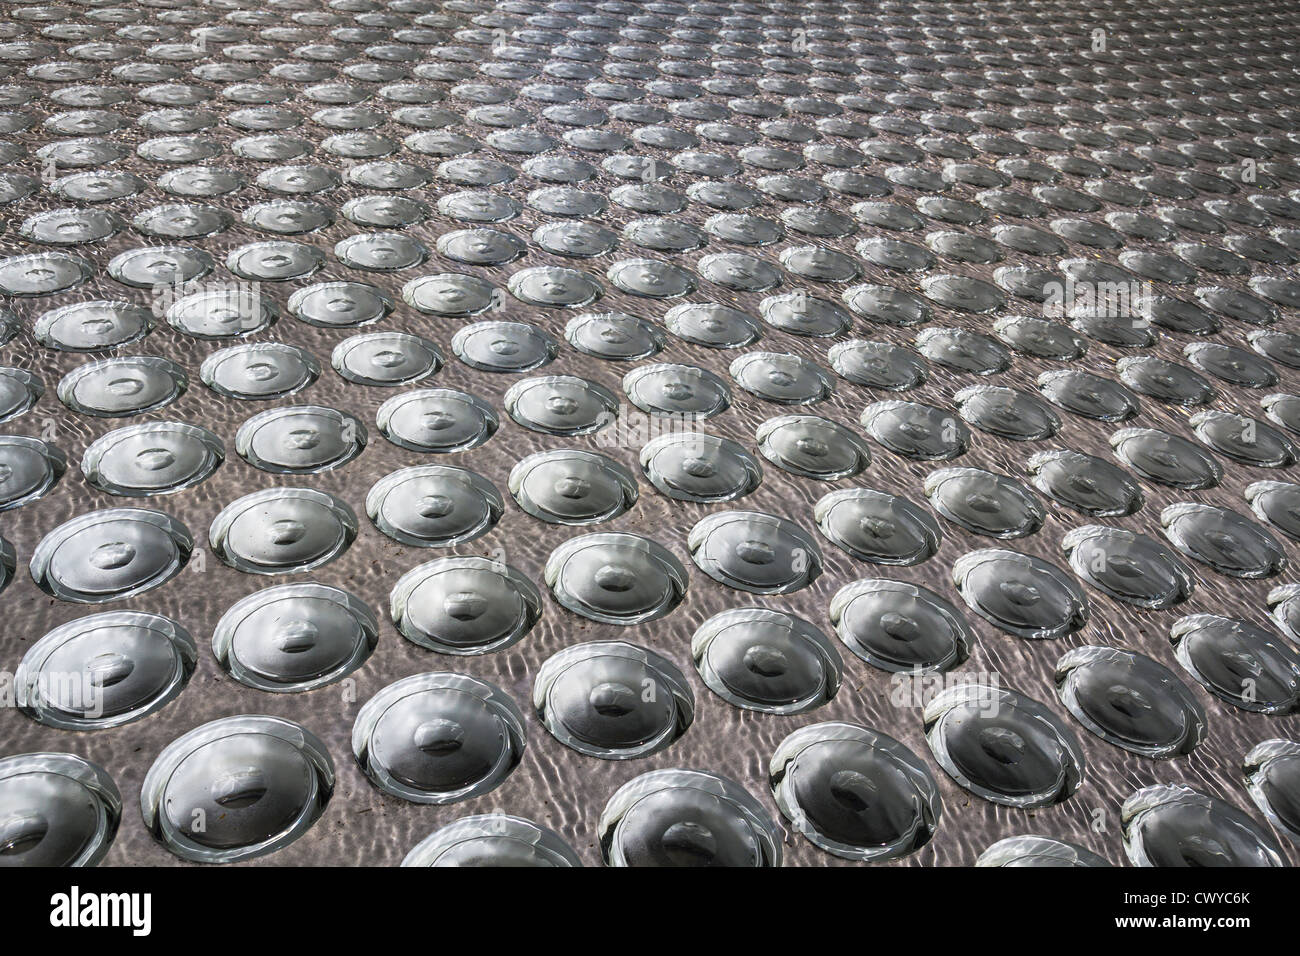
(221, 313)
(568, 486)
(855, 793)
(493, 840)
(43, 273)
(1223, 540)
(275, 260)
(963, 351)
(1041, 338)
(885, 215)
(679, 390)
(1284, 603)
(1007, 413)
(744, 229)
(755, 552)
(1283, 409)
(1174, 825)
(504, 346)
(1281, 347)
(236, 788)
(386, 359)
(335, 305)
(438, 738)
(554, 287)
(1129, 566)
(93, 326)
(285, 217)
(294, 637)
(437, 420)
(1272, 773)
(877, 527)
(1167, 459)
(768, 661)
(1087, 484)
(1020, 594)
(19, 391)
(560, 405)
(109, 555)
(152, 458)
(985, 503)
(915, 431)
(282, 531)
(29, 469)
(1278, 503)
(614, 336)
(1179, 315)
(1129, 700)
(451, 294)
(1245, 440)
(104, 670)
(616, 578)
(613, 700)
(1239, 662)
(474, 206)
(678, 818)
(814, 262)
(782, 378)
(579, 240)
(434, 506)
(381, 251)
(712, 325)
(877, 365)
(182, 221)
(1038, 851)
(895, 254)
(120, 387)
(1121, 333)
(738, 272)
(962, 293)
(812, 447)
(56, 809)
(693, 466)
(1233, 365)
(1089, 395)
(1164, 381)
(802, 314)
(300, 439)
(900, 627)
(152, 266)
(257, 371)
(464, 605)
(1003, 746)
(481, 247)
(651, 278)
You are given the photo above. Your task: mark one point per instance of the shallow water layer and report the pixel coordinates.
(297, 173)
